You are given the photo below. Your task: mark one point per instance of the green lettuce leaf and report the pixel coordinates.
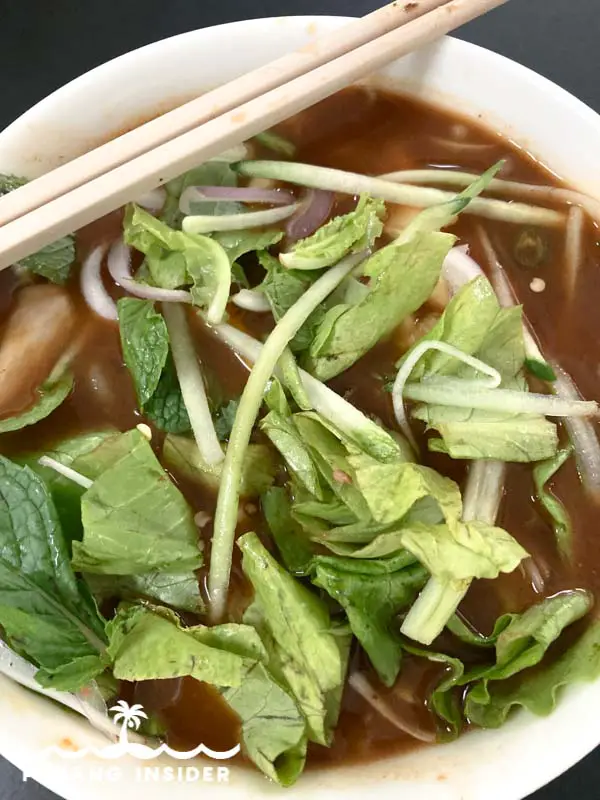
(349, 233)
(174, 258)
(211, 173)
(238, 243)
(476, 434)
(182, 455)
(402, 277)
(294, 547)
(166, 408)
(50, 395)
(372, 593)
(151, 644)
(520, 646)
(179, 590)
(561, 522)
(283, 433)
(46, 614)
(311, 653)
(135, 520)
(537, 690)
(392, 490)
(462, 551)
(145, 344)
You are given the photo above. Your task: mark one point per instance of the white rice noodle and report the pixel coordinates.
(498, 277)
(92, 287)
(573, 249)
(582, 433)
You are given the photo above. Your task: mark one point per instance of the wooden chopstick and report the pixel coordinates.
(210, 105)
(100, 195)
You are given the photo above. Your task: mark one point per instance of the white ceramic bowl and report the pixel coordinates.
(506, 764)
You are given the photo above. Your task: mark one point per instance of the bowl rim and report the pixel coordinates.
(9, 744)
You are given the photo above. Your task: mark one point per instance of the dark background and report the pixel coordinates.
(45, 43)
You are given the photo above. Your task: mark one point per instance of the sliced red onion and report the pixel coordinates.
(92, 288)
(251, 300)
(314, 210)
(153, 201)
(241, 194)
(119, 266)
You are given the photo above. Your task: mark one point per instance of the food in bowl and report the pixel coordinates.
(306, 459)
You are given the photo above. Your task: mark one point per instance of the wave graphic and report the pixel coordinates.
(141, 752)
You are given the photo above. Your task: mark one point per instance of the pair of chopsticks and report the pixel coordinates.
(106, 178)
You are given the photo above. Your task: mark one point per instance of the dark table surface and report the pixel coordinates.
(45, 43)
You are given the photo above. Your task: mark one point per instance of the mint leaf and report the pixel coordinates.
(54, 261)
(50, 396)
(46, 614)
(373, 593)
(135, 520)
(224, 419)
(10, 182)
(145, 344)
(166, 408)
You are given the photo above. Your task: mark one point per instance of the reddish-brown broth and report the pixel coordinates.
(373, 133)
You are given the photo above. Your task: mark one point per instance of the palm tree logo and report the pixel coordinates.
(130, 717)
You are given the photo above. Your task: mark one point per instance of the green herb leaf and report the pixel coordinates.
(151, 644)
(50, 396)
(521, 645)
(145, 344)
(166, 408)
(372, 593)
(349, 233)
(182, 455)
(537, 690)
(475, 434)
(294, 547)
(401, 279)
(238, 243)
(54, 261)
(179, 590)
(10, 182)
(312, 655)
(561, 522)
(392, 490)
(287, 439)
(177, 259)
(135, 520)
(224, 419)
(45, 613)
(540, 369)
